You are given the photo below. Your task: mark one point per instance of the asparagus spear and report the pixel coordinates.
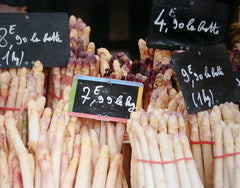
(21, 151)
(17, 176)
(57, 149)
(53, 124)
(120, 129)
(39, 76)
(69, 136)
(4, 175)
(84, 167)
(91, 47)
(196, 148)
(237, 163)
(145, 154)
(181, 166)
(192, 170)
(4, 84)
(33, 125)
(62, 80)
(228, 149)
(100, 172)
(172, 125)
(64, 162)
(218, 151)
(25, 127)
(22, 86)
(205, 135)
(166, 151)
(12, 93)
(158, 174)
(111, 139)
(70, 174)
(95, 147)
(56, 85)
(113, 170)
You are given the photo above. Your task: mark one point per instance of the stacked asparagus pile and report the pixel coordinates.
(62, 151)
(161, 154)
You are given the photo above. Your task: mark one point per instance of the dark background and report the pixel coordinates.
(117, 24)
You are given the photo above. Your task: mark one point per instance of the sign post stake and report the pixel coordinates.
(100, 135)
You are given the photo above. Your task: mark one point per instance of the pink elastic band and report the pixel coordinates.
(226, 155)
(164, 162)
(7, 108)
(58, 98)
(201, 142)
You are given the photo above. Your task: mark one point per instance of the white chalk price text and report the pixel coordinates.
(205, 96)
(190, 25)
(121, 100)
(11, 56)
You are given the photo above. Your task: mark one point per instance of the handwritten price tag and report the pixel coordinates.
(206, 77)
(27, 37)
(104, 99)
(186, 24)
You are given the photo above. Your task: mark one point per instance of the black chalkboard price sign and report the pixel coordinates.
(27, 37)
(104, 99)
(186, 24)
(205, 77)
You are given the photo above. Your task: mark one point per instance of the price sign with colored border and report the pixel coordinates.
(104, 99)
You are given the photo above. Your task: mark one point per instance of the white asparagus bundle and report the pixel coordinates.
(179, 173)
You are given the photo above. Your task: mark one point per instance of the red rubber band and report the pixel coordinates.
(58, 98)
(201, 142)
(226, 155)
(7, 108)
(164, 162)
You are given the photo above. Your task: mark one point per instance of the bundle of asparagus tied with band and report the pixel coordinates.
(17, 87)
(61, 151)
(161, 154)
(215, 144)
(212, 135)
